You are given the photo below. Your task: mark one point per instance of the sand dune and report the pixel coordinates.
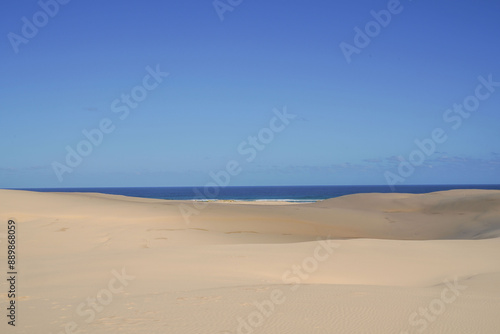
(367, 263)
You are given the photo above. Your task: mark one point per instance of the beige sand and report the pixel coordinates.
(369, 263)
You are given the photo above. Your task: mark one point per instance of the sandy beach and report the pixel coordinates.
(367, 263)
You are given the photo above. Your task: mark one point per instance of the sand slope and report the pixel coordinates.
(367, 263)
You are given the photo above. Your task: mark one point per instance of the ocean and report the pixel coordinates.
(263, 193)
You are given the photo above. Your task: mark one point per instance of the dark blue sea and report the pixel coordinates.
(261, 193)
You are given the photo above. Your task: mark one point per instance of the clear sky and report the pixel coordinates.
(356, 99)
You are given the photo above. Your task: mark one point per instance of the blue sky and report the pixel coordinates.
(354, 122)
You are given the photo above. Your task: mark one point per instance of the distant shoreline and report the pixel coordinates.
(278, 194)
